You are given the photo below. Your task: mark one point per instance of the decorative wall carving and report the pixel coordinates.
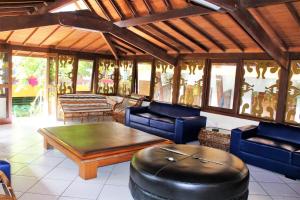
(293, 95)
(259, 91)
(163, 85)
(66, 73)
(106, 76)
(125, 77)
(191, 82)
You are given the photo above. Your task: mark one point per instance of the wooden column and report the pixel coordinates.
(176, 81)
(282, 93)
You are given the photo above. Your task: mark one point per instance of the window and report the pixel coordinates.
(144, 70)
(3, 103)
(292, 114)
(3, 68)
(259, 90)
(65, 74)
(191, 82)
(84, 75)
(106, 76)
(125, 77)
(222, 84)
(163, 82)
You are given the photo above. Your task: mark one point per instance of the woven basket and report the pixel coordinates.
(214, 139)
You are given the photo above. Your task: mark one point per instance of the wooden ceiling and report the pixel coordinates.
(173, 25)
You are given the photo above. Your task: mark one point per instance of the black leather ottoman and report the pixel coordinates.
(187, 172)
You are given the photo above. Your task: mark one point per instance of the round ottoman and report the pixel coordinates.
(181, 172)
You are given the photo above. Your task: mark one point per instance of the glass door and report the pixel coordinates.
(5, 88)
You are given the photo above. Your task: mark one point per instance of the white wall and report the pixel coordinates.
(2, 108)
(226, 122)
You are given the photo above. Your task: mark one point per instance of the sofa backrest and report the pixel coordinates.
(174, 111)
(279, 131)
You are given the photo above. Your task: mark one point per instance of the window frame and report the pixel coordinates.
(92, 77)
(236, 91)
(136, 77)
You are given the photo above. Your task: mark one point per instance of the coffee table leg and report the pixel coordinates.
(47, 145)
(88, 170)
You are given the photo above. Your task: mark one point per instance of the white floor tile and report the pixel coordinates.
(24, 158)
(30, 196)
(50, 187)
(279, 189)
(259, 197)
(23, 183)
(111, 192)
(69, 164)
(35, 171)
(83, 190)
(255, 188)
(268, 177)
(63, 174)
(48, 161)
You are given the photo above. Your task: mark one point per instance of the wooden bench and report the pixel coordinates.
(83, 106)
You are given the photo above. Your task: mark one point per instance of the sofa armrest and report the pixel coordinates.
(132, 110)
(240, 133)
(187, 128)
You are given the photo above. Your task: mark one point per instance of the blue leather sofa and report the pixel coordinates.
(175, 122)
(272, 146)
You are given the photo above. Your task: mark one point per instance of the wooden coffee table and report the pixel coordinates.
(95, 145)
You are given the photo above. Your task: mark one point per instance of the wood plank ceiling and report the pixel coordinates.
(173, 25)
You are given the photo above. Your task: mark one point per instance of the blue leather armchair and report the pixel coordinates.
(175, 122)
(271, 146)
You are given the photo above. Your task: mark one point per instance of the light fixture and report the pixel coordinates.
(205, 4)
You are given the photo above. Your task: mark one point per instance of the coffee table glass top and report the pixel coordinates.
(96, 138)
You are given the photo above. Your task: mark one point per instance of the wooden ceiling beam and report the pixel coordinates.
(168, 4)
(28, 10)
(110, 45)
(117, 9)
(141, 43)
(171, 14)
(149, 7)
(143, 30)
(226, 4)
(119, 46)
(187, 36)
(131, 8)
(49, 35)
(224, 32)
(30, 35)
(268, 26)
(104, 10)
(129, 45)
(257, 3)
(52, 6)
(255, 30)
(22, 5)
(204, 33)
(171, 37)
(293, 12)
(25, 1)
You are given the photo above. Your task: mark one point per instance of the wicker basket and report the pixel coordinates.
(216, 139)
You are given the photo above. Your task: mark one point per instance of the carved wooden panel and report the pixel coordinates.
(106, 76)
(3, 68)
(66, 73)
(163, 85)
(191, 82)
(259, 91)
(292, 114)
(125, 77)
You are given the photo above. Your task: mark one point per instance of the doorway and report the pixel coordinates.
(29, 86)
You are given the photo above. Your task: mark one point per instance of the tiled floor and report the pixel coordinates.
(49, 175)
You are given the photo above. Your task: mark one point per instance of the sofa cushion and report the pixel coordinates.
(167, 124)
(296, 158)
(268, 148)
(148, 115)
(173, 111)
(138, 118)
(280, 132)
